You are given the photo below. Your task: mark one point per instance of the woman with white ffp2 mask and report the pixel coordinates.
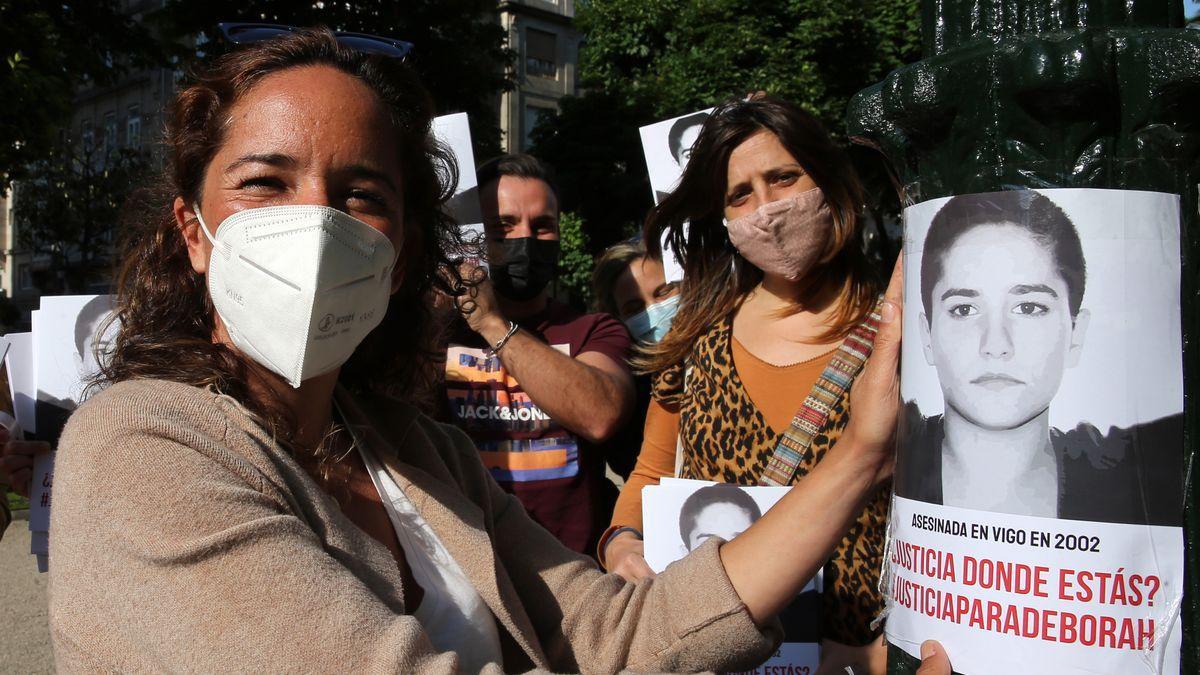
(298, 287)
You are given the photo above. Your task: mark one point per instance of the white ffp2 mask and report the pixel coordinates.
(298, 287)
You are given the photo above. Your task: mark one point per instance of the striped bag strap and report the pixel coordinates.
(843, 367)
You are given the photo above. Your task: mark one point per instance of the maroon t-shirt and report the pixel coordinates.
(558, 476)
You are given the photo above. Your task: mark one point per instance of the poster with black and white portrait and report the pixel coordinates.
(667, 146)
(679, 515)
(72, 336)
(1039, 474)
(454, 132)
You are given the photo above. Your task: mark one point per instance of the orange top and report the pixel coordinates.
(777, 391)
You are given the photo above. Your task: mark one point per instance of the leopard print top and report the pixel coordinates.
(725, 438)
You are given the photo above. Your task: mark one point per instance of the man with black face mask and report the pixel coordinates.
(538, 386)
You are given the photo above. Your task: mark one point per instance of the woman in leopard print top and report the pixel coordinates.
(749, 340)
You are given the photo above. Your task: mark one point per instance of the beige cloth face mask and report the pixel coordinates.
(785, 238)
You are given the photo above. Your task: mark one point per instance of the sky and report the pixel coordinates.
(1191, 8)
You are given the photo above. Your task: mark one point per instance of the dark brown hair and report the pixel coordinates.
(1031, 211)
(518, 166)
(609, 267)
(165, 313)
(714, 285)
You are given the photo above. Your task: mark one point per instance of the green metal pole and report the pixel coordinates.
(1056, 94)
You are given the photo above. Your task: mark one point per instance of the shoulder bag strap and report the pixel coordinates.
(837, 377)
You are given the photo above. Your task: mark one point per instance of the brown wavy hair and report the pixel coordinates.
(165, 313)
(716, 278)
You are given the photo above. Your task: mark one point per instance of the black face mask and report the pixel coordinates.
(525, 267)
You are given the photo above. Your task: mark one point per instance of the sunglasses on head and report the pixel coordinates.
(249, 33)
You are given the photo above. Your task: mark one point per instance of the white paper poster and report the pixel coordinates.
(1039, 479)
(40, 492)
(672, 268)
(22, 380)
(680, 515)
(455, 132)
(667, 146)
(71, 337)
(35, 320)
(67, 336)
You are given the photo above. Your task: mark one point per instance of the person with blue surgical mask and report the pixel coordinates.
(631, 285)
(652, 323)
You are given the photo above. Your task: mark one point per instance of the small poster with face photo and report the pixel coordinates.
(680, 515)
(454, 132)
(72, 334)
(667, 146)
(1036, 526)
(22, 379)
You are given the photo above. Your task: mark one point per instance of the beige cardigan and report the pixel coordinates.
(186, 539)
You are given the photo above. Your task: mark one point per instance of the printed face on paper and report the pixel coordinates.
(1000, 331)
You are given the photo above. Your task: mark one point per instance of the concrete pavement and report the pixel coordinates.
(24, 635)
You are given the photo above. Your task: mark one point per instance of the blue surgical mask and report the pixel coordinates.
(652, 323)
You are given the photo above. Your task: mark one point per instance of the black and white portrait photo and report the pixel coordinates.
(94, 335)
(680, 515)
(72, 336)
(454, 132)
(667, 146)
(719, 510)
(1042, 369)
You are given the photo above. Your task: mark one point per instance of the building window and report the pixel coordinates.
(133, 127)
(541, 53)
(110, 131)
(87, 135)
(533, 116)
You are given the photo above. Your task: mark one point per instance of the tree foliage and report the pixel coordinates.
(459, 49)
(575, 261)
(69, 210)
(646, 61)
(594, 147)
(680, 55)
(47, 50)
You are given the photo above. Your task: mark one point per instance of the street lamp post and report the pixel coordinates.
(1056, 94)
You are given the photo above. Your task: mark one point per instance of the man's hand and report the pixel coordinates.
(590, 395)
(625, 555)
(16, 461)
(480, 307)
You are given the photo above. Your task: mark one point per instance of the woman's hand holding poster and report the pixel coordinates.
(1039, 481)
